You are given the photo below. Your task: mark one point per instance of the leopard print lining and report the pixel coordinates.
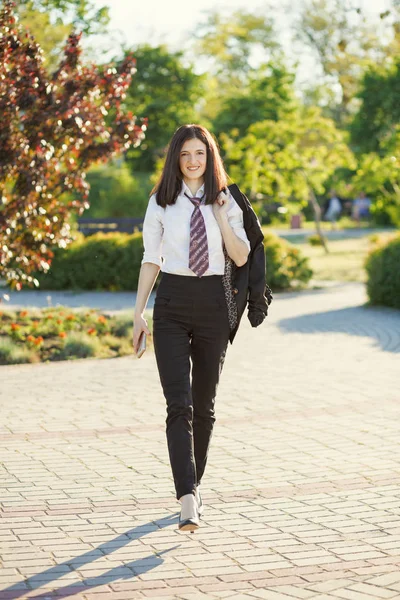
(227, 282)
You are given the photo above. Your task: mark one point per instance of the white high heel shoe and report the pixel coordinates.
(189, 517)
(200, 506)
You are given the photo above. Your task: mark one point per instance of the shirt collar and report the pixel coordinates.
(198, 194)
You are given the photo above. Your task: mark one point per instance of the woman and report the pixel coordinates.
(189, 228)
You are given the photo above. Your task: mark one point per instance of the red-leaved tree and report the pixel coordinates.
(52, 128)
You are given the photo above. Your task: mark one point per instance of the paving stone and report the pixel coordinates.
(372, 590)
(302, 485)
(385, 580)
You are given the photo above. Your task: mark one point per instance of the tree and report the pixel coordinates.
(291, 159)
(344, 43)
(50, 35)
(375, 125)
(268, 95)
(51, 21)
(168, 90)
(230, 42)
(53, 129)
(116, 192)
(379, 175)
(234, 48)
(83, 14)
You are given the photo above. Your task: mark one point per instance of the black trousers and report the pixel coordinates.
(191, 332)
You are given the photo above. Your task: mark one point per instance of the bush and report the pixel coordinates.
(123, 326)
(104, 261)
(314, 240)
(12, 354)
(383, 269)
(111, 261)
(80, 345)
(286, 266)
(120, 345)
(115, 192)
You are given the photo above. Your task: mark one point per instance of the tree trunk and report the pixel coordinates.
(317, 216)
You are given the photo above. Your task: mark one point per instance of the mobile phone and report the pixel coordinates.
(142, 345)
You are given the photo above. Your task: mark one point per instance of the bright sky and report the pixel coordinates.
(171, 21)
(167, 21)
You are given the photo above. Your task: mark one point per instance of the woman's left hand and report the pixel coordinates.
(221, 205)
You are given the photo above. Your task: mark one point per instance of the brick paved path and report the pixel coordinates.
(302, 490)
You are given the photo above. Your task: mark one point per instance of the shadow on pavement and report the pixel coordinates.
(136, 567)
(380, 324)
(320, 288)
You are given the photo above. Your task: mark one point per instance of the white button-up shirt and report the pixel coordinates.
(166, 234)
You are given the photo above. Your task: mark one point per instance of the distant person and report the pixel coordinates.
(334, 208)
(361, 208)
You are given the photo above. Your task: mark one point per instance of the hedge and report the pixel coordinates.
(383, 269)
(286, 266)
(111, 261)
(104, 261)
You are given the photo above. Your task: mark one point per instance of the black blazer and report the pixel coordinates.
(249, 281)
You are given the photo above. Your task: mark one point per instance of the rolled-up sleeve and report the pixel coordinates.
(153, 233)
(235, 219)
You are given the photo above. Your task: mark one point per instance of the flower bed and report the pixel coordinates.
(28, 336)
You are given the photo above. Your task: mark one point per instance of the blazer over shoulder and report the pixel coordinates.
(250, 287)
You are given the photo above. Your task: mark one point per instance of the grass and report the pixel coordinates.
(82, 345)
(346, 258)
(343, 223)
(11, 353)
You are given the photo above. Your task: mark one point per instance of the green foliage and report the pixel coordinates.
(61, 333)
(314, 240)
(286, 159)
(108, 261)
(49, 34)
(123, 346)
(380, 177)
(115, 192)
(267, 95)
(51, 21)
(11, 353)
(165, 90)
(286, 266)
(80, 345)
(344, 41)
(112, 262)
(85, 15)
(239, 49)
(383, 268)
(231, 42)
(53, 130)
(377, 121)
(122, 326)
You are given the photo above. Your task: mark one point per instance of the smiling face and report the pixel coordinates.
(193, 160)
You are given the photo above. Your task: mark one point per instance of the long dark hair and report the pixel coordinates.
(170, 182)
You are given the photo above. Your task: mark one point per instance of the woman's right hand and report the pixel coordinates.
(139, 325)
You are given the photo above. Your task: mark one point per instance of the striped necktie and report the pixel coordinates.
(198, 248)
